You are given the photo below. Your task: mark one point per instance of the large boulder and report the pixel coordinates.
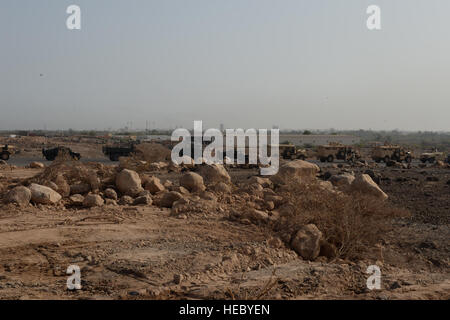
(44, 195)
(93, 200)
(128, 182)
(20, 195)
(364, 184)
(154, 185)
(306, 242)
(214, 173)
(297, 170)
(192, 181)
(342, 180)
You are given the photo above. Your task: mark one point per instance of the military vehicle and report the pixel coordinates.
(432, 157)
(6, 152)
(114, 152)
(289, 151)
(389, 153)
(337, 151)
(51, 154)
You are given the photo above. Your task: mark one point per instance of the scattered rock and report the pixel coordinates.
(76, 200)
(214, 173)
(342, 180)
(110, 194)
(299, 170)
(110, 202)
(81, 188)
(306, 242)
(192, 181)
(126, 200)
(63, 187)
(364, 184)
(93, 200)
(128, 182)
(37, 165)
(264, 182)
(20, 195)
(221, 187)
(143, 200)
(180, 189)
(43, 195)
(169, 198)
(153, 184)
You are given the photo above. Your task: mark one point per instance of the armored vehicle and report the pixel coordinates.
(337, 151)
(389, 153)
(432, 157)
(114, 152)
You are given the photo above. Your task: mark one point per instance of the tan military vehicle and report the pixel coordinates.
(333, 152)
(389, 153)
(432, 157)
(289, 151)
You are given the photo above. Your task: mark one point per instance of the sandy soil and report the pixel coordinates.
(141, 252)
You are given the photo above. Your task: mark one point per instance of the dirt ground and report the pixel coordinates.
(142, 252)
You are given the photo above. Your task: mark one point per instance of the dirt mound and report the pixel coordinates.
(152, 152)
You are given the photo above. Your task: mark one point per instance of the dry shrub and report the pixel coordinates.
(352, 223)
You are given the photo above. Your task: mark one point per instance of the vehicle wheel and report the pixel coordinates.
(431, 160)
(408, 159)
(323, 159)
(302, 157)
(330, 158)
(5, 156)
(377, 160)
(387, 159)
(113, 157)
(423, 160)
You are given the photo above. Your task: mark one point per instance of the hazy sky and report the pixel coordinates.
(244, 63)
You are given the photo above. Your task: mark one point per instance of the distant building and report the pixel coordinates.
(316, 139)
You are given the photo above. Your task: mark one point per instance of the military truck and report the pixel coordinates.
(53, 153)
(6, 152)
(389, 153)
(331, 152)
(432, 157)
(289, 151)
(114, 152)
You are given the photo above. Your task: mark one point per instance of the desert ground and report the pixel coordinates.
(164, 233)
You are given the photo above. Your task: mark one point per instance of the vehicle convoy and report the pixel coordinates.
(389, 153)
(53, 153)
(6, 152)
(432, 157)
(114, 152)
(331, 152)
